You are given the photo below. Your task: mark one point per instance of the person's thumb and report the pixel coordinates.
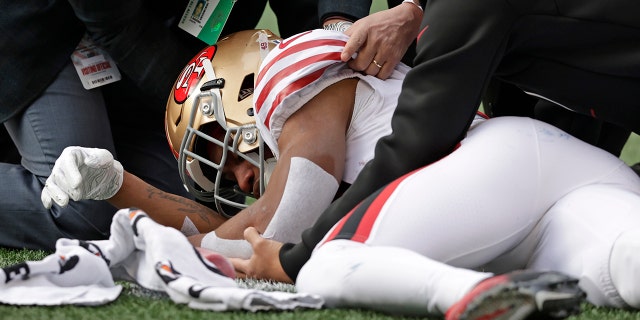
(252, 235)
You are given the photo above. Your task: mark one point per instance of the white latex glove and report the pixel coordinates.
(82, 173)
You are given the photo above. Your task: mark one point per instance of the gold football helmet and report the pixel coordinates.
(214, 93)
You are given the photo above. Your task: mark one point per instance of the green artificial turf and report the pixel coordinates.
(138, 303)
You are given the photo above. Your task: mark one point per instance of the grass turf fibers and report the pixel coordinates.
(138, 303)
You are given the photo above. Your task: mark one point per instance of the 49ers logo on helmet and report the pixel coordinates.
(191, 74)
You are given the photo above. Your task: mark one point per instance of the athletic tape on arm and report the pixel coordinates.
(227, 247)
(308, 192)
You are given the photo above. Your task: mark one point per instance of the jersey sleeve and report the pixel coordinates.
(292, 73)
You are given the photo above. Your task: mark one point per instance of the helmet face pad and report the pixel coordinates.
(211, 106)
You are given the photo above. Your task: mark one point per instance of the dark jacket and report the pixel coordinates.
(37, 38)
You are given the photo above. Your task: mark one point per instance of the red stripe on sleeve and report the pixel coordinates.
(295, 86)
(295, 49)
(276, 78)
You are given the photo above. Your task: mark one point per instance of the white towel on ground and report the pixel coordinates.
(142, 251)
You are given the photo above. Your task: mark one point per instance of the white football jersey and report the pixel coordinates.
(302, 66)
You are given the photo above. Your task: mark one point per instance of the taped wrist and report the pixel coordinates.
(227, 247)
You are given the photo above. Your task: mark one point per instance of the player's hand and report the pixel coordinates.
(265, 261)
(82, 173)
(381, 39)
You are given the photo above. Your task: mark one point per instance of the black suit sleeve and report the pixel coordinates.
(353, 10)
(439, 98)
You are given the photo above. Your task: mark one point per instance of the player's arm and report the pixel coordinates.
(93, 174)
(165, 208)
(317, 133)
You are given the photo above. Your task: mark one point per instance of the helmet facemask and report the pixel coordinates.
(203, 176)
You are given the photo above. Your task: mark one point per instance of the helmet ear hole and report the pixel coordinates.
(246, 88)
(178, 119)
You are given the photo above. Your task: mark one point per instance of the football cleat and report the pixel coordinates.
(520, 295)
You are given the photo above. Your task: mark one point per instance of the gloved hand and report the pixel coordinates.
(82, 173)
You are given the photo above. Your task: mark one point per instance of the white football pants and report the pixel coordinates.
(517, 193)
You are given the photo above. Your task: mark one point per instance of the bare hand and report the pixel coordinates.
(265, 261)
(381, 39)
